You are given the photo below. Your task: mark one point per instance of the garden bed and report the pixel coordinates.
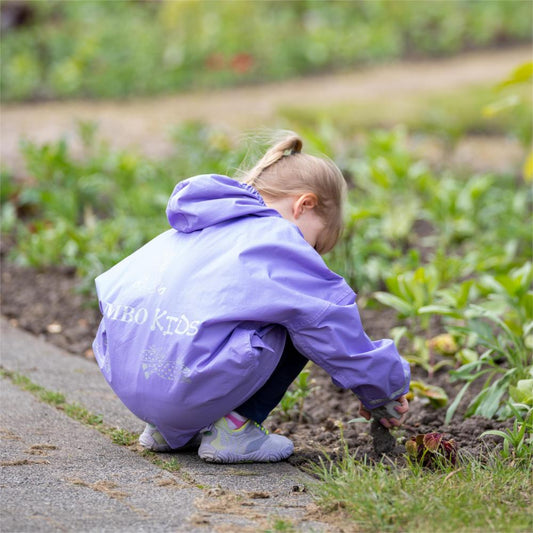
(48, 304)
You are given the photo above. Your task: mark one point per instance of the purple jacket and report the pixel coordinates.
(194, 322)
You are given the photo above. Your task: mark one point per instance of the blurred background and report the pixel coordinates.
(99, 49)
(424, 104)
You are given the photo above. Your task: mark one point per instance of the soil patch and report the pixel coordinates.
(49, 304)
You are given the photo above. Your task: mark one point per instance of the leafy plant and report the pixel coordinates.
(409, 293)
(123, 437)
(502, 344)
(431, 449)
(434, 395)
(518, 441)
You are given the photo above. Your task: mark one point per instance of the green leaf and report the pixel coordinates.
(455, 404)
(523, 392)
(494, 432)
(487, 402)
(394, 301)
(500, 105)
(436, 396)
(521, 74)
(438, 310)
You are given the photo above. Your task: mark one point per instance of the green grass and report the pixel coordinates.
(281, 525)
(123, 437)
(472, 496)
(171, 465)
(72, 410)
(83, 415)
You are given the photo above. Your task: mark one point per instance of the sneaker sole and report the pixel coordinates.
(211, 455)
(148, 442)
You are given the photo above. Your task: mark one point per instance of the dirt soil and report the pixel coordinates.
(49, 304)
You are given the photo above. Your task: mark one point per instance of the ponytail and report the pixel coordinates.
(289, 146)
(285, 171)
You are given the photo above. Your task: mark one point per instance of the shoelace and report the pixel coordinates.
(262, 428)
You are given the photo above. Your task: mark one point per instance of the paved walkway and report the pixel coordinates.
(58, 474)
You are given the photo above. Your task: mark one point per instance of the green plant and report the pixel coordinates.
(502, 344)
(83, 415)
(510, 296)
(518, 441)
(123, 437)
(431, 449)
(281, 524)
(409, 293)
(52, 397)
(434, 395)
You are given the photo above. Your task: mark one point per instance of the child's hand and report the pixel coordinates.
(389, 422)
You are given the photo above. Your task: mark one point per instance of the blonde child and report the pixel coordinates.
(205, 327)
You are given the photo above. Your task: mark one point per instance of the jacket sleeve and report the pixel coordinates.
(319, 311)
(336, 341)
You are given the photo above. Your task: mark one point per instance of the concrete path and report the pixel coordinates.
(59, 474)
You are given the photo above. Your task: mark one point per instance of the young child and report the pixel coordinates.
(205, 327)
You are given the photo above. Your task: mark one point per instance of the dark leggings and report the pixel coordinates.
(258, 406)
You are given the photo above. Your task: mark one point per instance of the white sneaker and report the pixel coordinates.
(151, 439)
(249, 443)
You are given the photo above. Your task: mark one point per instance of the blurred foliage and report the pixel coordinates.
(513, 101)
(125, 47)
(91, 211)
(449, 115)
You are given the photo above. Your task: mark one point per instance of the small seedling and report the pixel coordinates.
(518, 440)
(430, 449)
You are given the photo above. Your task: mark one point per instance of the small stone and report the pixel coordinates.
(54, 327)
(298, 488)
(216, 492)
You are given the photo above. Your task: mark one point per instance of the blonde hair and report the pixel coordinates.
(284, 171)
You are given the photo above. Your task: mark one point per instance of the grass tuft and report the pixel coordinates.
(471, 496)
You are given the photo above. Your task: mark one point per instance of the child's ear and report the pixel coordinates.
(303, 203)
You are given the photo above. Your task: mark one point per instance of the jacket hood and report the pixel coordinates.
(210, 199)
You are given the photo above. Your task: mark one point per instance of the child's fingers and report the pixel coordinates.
(397, 422)
(364, 412)
(404, 405)
(385, 422)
